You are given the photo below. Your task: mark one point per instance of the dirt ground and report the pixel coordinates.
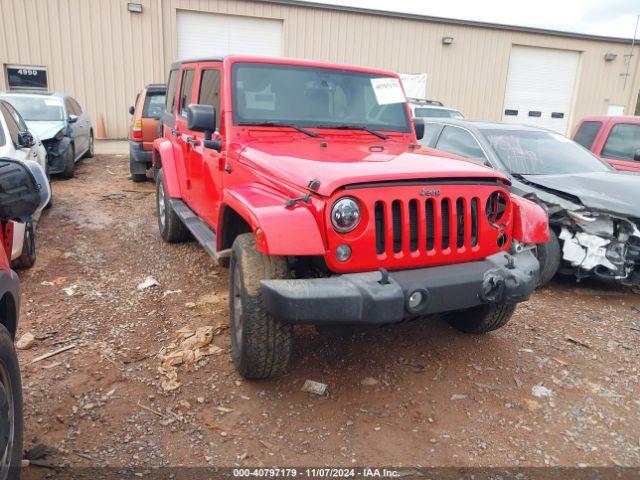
(556, 386)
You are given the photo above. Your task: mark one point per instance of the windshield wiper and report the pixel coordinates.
(348, 126)
(281, 124)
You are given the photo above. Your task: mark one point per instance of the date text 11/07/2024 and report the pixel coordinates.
(368, 472)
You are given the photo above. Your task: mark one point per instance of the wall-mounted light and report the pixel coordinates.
(610, 57)
(134, 7)
(447, 40)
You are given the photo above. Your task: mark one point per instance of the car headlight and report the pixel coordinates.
(60, 135)
(345, 215)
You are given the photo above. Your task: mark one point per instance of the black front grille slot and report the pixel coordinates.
(430, 223)
(474, 222)
(460, 222)
(413, 225)
(445, 223)
(396, 219)
(380, 231)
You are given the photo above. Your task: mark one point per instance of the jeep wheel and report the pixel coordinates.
(27, 258)
(549, 257)
(260, 344)
(10, 409)
(171, 227)
(482, 319)
(69, 163)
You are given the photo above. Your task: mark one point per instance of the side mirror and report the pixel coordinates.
(419, 126)
(201, 118)
(72, 118)
(636, 155)
(25, 139)
(132, 110)
(23, 189)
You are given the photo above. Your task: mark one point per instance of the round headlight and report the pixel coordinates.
(345, 215)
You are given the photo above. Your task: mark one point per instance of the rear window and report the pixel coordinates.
(153, 105)
(587, 133)
(437, 113)
(172, 90)
(623, 141)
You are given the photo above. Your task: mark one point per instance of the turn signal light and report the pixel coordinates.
(137, 129)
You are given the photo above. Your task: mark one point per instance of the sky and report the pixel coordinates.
(614, 18)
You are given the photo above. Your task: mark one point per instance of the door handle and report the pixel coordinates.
(193, 141)
(175, 132)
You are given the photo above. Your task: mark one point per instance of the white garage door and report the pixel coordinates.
(210, 35)
(540, 87)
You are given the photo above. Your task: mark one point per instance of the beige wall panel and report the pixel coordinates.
(102, 54)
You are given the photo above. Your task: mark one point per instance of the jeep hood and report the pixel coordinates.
(346, 163)
(45, 130)
(612, 192)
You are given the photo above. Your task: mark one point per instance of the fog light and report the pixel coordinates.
(417, 301)
(343, 252)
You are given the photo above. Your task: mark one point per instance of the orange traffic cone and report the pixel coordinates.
(102, 132)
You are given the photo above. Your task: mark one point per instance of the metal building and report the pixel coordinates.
(103, 51)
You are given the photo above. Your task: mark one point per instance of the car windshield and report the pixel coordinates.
(317, 97)
(37, 108)
(541, 153)
(436, 113)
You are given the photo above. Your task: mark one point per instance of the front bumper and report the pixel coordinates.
(361, 298)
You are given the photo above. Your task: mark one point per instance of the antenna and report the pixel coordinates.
(633, 44)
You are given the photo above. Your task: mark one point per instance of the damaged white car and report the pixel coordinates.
(594, 210)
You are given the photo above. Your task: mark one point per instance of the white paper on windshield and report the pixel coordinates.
(52, 103)
(387, 90)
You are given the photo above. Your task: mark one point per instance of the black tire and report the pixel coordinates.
(549, 255)
(91, 150)
(11, 421)
(139, 177)
(69, 163)
(481, 319)
(170, 225)
(260, 343)
(27, 258)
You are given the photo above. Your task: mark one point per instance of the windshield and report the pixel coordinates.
(436, 113)
(312, 97)
(36, 108)
(541, 153)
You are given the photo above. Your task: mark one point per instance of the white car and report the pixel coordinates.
(431, 109)
(17, 142)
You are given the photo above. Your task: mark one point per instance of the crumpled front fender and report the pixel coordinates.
(530, 221)
(279, 230)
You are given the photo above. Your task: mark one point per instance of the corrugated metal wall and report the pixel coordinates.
(102, 54)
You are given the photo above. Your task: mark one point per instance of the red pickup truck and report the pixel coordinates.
(306, 178)
(615, 139)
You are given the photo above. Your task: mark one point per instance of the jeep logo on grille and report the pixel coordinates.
(430, 193)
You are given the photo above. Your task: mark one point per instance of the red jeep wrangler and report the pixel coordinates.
(307, 177)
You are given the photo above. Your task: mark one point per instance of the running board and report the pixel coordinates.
(200, 230)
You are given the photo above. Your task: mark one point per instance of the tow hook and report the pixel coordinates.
(384, 277)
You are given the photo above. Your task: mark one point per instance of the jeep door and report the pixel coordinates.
(185, 138)
(206, 163)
